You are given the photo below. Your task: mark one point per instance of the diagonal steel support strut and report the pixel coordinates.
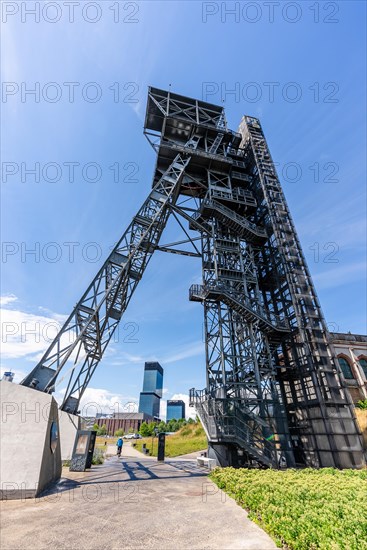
(81, 342)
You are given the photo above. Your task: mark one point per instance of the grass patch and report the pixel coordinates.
(101, 440)
(303, 509)
(189, 439)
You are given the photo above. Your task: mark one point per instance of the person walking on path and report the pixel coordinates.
(119, 444)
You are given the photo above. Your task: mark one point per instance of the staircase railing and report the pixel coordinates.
(235, 424)
(224, 210)
(240, 301)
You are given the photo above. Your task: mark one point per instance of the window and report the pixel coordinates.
(346, 368)
(363, 362)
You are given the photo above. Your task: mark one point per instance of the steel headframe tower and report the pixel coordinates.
(273, 390)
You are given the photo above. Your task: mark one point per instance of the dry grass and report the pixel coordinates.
(189, 439)
(101, 440)
(362, 421)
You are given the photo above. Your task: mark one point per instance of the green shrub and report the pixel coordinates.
(98, 456)
(145, 429)
(303, 509)
(119, 433)
(362, 404)
(102, 430)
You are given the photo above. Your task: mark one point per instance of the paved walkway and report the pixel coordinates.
(133, 503)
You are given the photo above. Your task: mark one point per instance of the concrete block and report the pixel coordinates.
(30, 455)
(209, 463)
(69, 425)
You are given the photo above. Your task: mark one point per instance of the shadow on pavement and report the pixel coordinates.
(132, 470)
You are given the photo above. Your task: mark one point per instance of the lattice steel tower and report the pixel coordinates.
(273, 392)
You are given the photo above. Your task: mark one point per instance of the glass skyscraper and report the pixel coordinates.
(175, 409)
(150, 397)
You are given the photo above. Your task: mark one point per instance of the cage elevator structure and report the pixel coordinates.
(273, 394)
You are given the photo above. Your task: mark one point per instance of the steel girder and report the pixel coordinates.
(319, 412)
(266, 340)
(273, 390)
(81, 342)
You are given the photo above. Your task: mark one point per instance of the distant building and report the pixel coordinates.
(8, 376)
(351, 350)
(123, 421)
(175, 409)
(104, 415)
(150, 397)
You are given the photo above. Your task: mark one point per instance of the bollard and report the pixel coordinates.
(161, 446)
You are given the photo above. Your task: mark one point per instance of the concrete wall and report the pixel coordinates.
(27, 463)
(69, 424)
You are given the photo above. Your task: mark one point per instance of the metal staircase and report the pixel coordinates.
(238, 224)
(238, 426)
(250, 310)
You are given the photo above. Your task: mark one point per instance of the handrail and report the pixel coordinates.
(233, 195)
(251, 304)
(240, 176)
(235, 425)
(234, 216)
(243, 192)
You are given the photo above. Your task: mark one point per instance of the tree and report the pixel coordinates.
(102, 430)
(144, 430)
(131, 431)
(95, 427)
(151, 427)
(173, 425)
(119, 433)
(162, 427)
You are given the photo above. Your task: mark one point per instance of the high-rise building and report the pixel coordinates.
(150, 397)
(175, 409)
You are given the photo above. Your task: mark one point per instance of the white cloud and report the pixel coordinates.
(191, 350)
(7, 299)
(124, 358)
(97, 400)
(340, 275)
(26, 334)
(163, 409)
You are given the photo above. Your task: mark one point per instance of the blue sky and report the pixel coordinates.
(314, 124)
